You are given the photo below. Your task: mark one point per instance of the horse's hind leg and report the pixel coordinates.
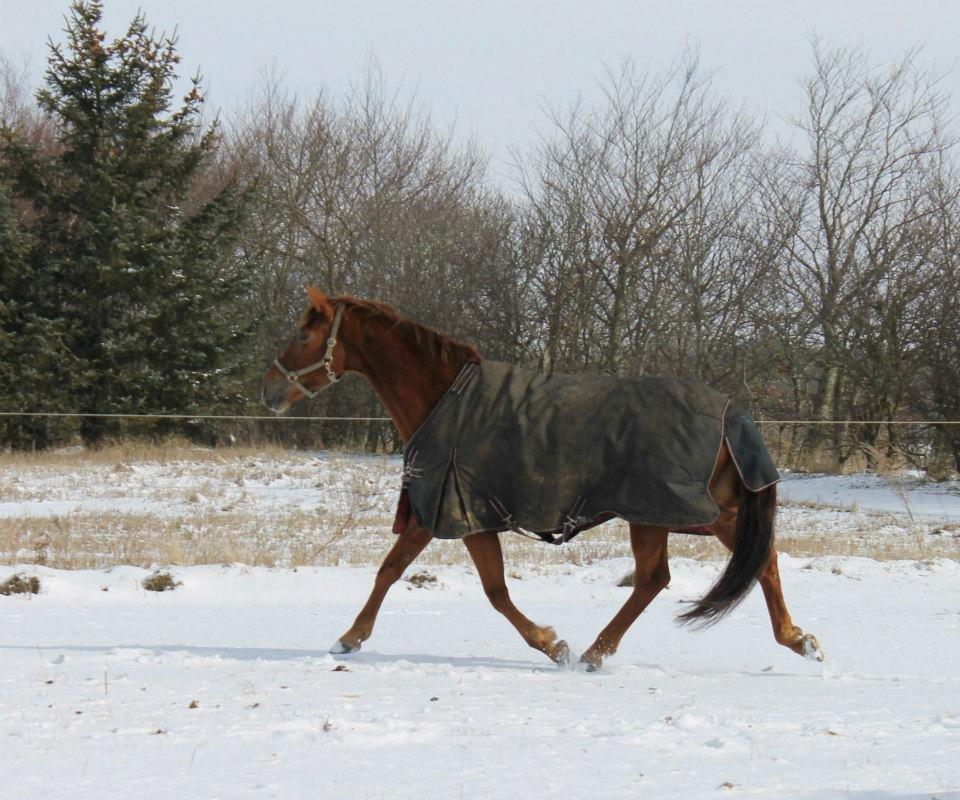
(406, 548)
(484, 549)
(652, 574)
(785, 632)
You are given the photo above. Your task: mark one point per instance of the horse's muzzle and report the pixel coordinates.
(274, 394)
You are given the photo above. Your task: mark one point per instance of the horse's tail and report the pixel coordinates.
(751, 552)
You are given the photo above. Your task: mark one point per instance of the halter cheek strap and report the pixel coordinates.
(326, 363)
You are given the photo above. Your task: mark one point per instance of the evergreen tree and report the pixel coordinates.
(32, 359)
(137, 270)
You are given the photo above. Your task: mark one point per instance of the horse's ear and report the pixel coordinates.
(319, 300)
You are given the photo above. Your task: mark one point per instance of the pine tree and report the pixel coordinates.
(136, 269)
(31, 357)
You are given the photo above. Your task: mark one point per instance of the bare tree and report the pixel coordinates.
(19, 113)
(937, 396)
(363, 194)
(633, 202)
(860, 195)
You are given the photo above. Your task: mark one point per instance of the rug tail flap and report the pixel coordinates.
(747, 447)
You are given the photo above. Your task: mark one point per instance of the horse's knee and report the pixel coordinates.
(388, 574)
(499, 598)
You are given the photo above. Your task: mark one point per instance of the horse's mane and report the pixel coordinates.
(438, 344)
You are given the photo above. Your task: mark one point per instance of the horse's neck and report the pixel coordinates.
(408, 380)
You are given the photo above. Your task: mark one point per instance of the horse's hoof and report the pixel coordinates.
(591, 663)
(810, 648)
(341, 647)
(561, 654)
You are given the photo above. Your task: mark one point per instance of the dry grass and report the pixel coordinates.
(130, 451)
(422, 579)
(20, 584)
(160, 581)
(316, 538)
(214, 505)
(100, 540)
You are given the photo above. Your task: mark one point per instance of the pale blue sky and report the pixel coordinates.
(490, 64)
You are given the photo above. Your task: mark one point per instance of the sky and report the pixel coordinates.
(491, 66)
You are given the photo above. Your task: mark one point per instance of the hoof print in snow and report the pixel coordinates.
(160, 581)
(20, 584)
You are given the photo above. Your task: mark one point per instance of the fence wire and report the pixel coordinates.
(280, 418)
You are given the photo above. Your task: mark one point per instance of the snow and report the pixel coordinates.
(171, 488)
(303, 479)
(903, 494)
(446, 701)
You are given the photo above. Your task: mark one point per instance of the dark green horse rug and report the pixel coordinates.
(511, 449)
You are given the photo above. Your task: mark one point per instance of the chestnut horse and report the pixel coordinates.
(411, 366)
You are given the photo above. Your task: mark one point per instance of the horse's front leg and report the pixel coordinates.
(487, 555)
(406, 548)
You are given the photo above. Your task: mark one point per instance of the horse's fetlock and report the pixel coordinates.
(546, 636)
(790, 636)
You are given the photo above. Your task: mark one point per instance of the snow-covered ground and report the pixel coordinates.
(308, 479)
(98, 675)
(446, 701)
(904, 494)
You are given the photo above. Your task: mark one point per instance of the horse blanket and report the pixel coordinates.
(511, 449)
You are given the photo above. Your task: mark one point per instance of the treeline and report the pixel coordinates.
(658, 230)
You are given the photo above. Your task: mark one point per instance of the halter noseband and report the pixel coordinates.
(294, 376)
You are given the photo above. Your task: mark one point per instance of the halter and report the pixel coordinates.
(294, 376)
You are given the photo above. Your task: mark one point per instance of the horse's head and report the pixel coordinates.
(312, 361)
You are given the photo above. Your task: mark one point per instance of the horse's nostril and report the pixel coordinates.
(272, 398)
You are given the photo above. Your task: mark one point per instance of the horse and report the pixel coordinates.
(411, 367)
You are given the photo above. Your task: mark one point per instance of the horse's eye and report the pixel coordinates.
(304, 335)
